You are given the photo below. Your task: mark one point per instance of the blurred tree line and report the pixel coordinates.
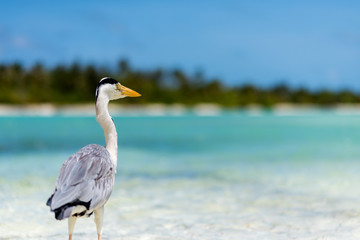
(76, 83)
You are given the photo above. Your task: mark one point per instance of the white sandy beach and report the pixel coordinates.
(159, 109)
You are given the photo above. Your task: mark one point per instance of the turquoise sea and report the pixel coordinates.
(235, 176)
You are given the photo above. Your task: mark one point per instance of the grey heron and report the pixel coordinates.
(86, 178)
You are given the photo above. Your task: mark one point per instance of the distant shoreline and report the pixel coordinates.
(159, 109)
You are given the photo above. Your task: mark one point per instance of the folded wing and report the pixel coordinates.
(85, 179)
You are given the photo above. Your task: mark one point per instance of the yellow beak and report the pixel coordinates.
(127, 91)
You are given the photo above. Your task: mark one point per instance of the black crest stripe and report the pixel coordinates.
(105, 80)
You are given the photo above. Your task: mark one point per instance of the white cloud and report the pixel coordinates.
(20, 42)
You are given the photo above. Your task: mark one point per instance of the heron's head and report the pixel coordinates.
(113, 89)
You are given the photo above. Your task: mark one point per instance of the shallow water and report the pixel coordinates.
(232, 176)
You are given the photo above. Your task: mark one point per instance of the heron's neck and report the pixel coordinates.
(106, 122)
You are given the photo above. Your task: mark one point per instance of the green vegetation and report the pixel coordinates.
(77, 83)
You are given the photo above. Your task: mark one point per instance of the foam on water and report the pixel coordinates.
(230, 177)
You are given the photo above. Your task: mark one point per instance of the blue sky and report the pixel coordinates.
(315, 44)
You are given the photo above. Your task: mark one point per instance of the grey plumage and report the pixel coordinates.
(85, 179)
